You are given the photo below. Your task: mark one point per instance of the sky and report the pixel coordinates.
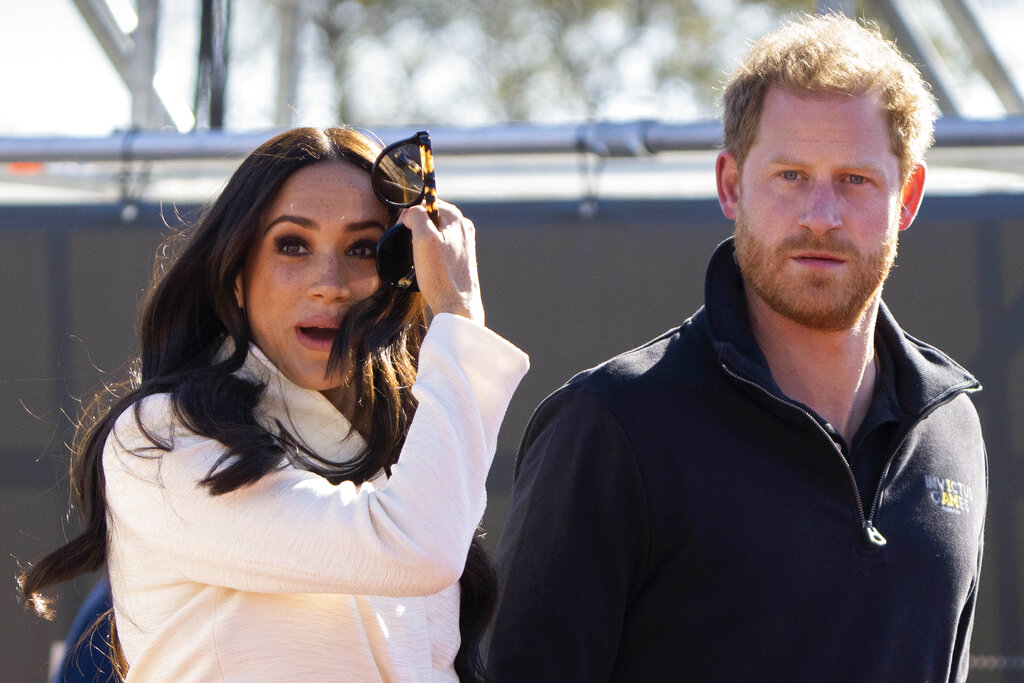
(53, 72)
(56, 79)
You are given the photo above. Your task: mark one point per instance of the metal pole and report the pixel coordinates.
(628, 139)
(288, 12)
(966, 17)
(128, 58)
(913, 38)
(211, 70)
(145, 104)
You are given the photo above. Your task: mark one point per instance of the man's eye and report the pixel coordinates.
(790, 175)
(857, 180)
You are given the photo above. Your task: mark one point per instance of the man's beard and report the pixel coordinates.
(818, 299)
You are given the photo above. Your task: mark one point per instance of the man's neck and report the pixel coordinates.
(833, 373)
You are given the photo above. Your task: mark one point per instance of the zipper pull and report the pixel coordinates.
(874, 538)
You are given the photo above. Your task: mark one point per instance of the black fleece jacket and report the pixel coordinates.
(676, 518)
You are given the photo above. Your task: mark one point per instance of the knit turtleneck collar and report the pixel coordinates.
(307, 415)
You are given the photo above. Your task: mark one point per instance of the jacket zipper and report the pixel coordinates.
(872, 534)
(888, 464)
(955, 391)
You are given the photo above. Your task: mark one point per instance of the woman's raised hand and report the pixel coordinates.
(445, 260)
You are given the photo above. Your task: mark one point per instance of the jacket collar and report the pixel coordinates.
(924, 376)
(307, 415)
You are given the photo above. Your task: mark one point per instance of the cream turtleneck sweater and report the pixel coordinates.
(293, 578)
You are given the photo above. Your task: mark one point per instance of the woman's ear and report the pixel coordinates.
(239, 292)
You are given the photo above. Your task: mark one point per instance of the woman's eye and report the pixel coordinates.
(363, 249)
(290, 246)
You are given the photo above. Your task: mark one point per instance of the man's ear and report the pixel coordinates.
(727, 176)
(239, 292)
(911, 195)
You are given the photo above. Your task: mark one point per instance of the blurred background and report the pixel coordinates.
(580, 137)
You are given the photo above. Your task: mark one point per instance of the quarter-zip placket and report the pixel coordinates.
(929, 409)
(872, 535)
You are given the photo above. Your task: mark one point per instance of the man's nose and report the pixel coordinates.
(822, 211)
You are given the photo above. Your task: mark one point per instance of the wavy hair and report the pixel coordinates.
(831, 54)
(190, 313)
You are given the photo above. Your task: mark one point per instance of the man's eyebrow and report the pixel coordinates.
(784, 160)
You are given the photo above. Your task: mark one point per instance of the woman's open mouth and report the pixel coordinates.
(316, 338)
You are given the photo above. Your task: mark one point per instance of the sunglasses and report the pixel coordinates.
(403, 176)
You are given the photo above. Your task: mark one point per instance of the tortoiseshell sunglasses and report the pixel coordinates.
(403, 176)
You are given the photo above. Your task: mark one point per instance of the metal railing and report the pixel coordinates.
(604, 139)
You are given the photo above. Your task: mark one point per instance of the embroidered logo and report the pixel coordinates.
(949, 494)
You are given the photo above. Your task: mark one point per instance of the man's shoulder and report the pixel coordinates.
(595, 415)
(643, 370)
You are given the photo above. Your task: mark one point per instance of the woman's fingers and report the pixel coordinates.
(445, 258)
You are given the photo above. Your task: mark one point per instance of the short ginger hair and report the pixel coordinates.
(830, 54)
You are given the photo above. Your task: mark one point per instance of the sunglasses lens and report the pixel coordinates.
(398, 175)
(394, 258)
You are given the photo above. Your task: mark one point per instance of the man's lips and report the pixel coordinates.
(317, 332)
(819, 259)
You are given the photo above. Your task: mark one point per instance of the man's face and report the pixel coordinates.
(817, 208)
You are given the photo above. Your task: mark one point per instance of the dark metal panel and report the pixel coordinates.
(570, 290)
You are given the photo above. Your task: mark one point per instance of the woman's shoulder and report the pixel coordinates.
(150, 421)
(153, 411)
(145, 432)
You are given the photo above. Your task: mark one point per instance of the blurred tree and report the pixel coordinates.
(468, 61)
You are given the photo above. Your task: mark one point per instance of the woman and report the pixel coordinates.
(268, 506)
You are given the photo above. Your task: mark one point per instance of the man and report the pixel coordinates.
(787, 487)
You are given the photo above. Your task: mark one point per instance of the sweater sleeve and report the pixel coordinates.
(573, 549)
(292, 531)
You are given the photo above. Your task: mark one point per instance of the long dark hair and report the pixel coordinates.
(188, 316)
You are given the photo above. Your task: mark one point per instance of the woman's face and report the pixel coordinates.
(312, 260)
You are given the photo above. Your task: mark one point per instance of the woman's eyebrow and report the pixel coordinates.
(364, 225)
(301, 221)
(304, 222)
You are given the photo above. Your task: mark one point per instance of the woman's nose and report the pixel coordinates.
(329, 282)
(822, 211)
